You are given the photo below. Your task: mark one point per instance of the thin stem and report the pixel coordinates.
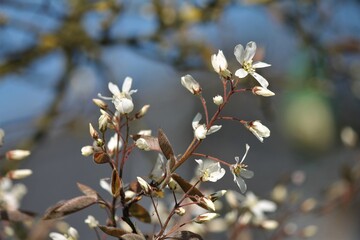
(124, 155)
(156, 211)
(212, 158)
(203, 102)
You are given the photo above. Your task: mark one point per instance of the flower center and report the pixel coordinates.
(248, 66)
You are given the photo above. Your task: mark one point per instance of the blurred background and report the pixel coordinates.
(56, 55)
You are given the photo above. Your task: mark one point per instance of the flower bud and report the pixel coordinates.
(218, 100)
(142, 144)
(173, 185)
(144, 185)
(17, 154)
(208, 203)
(100, 103)
(87, 150)
(103, 120)
(180, 211)
(260, 131)
(205, 217)
(261, 91)
(93, 133)
(191, 84)
(200, 132)
(91, 221)
(216, 195)
(309, 231)
(308, 205)
(219, 62)
(142, 111)
(19, 174)
(269, 224)
(279, 193)
(145, 132)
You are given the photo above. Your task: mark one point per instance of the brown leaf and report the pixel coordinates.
(152, 142)
(67, 207)
(186, 235)
(139, 212)
(115, 183)
(112, 231)
(88, 191)
(194, 193)
(101, 158)
(132, 236)
(14, 216)
(165, 145)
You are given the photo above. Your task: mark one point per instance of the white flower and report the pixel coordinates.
(239, 171)
(91, 221)
(219, 62)
(191, 84)
(218, 100)
(104, 119)
(260, 131)
(104, 184)
(87, 150)
(10, 194)
(145, 132)
(19, 173)
(114, 143)
(122, 100)
(245, 57)
(257, 207)
(205, 217)
(17, 154)
(144, 185)
(142, 144)
(200, 130)
(260, 91)
(210, 170)
(72, 234)
(158, 170)
(2, 135)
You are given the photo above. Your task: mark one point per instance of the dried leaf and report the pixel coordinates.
(194, 193)
(139, 212)
(186, 235)
(67, 207)
(112, 231)
(101, 158)
(115, 183)
(15, 216)
(132, 236)
(88, 191)
(151, 141)
(165, 145)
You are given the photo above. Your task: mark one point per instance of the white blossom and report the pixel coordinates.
(72, 234)
(191, 84)
(121, 99)
(11, 194)
(91, 221)
(259, 130)
(239, 171)
(104, 184)
(144, 132)
(200, 130)
(245, 58)
(219, 62)
(210, 170)
(257, 207)
(218, 100)
(114, 143)
(142, 144)
(261, 91)
(158, 170)
(205, 217)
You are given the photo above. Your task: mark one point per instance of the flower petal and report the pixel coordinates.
(114, 89)
(213, 129)
(250, 51)
(266, 206)
(261, 65)
(246, 173)
(247, 147)
(241, 73)
(196, 120)
(239, 53)
(263, 82)
(127, 85)
(241, 184)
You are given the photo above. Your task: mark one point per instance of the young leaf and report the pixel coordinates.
(165, 145)
(194, 194)
(132, 236)
(139, 212)
(152, 142)
(115, 183)
(101, 158)
(112, 231)
(186, 235)
(64, 208)
(88, 191)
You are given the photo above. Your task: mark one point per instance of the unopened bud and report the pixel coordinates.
(205, 217)
(208, 203)
(308, 205)
(87, 150)
(100, 103)
(216, 195)
(104, 119)
(279, 193)
(93, 133)
(218, 100)
(142, 111)
(19, 174)
(17, 154)
(173, 185)
(144, 185)
(269, 224)
(142, 144)
(261, 91)
(145, 132)
(309, 231)
(180, 211)
(191, 84)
